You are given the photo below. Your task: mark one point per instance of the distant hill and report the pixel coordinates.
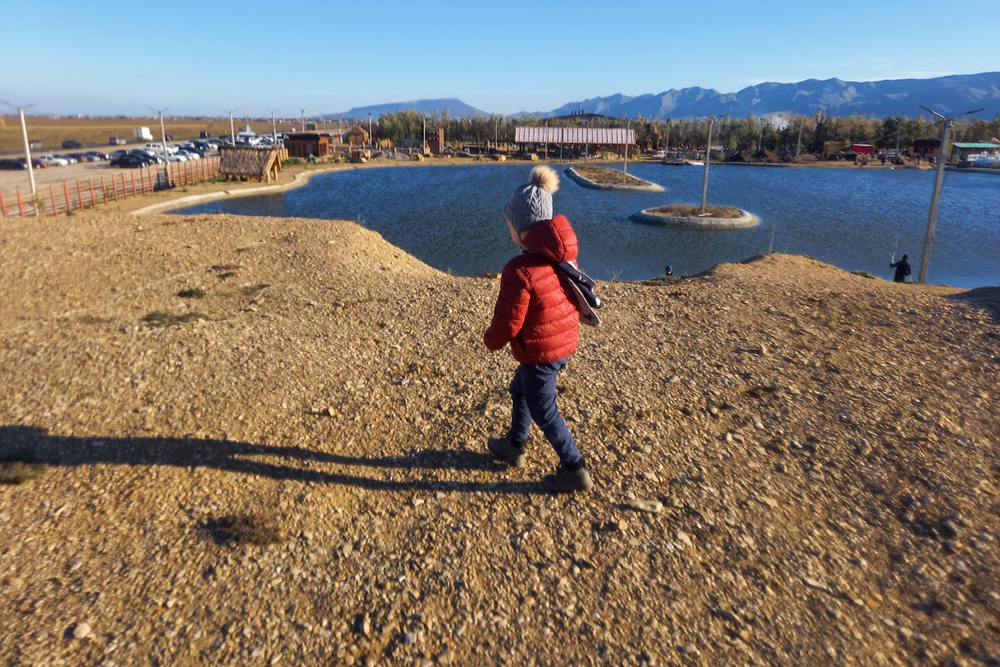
(456, 109)
(954, 94)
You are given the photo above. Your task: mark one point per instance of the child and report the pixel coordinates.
(537, 313)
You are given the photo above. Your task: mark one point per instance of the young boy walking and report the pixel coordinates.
(537, 313)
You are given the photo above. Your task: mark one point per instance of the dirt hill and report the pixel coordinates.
(822, 449)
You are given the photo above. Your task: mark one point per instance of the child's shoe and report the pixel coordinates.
(504, 449)
(567, 481)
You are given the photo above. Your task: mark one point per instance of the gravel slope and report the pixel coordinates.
(821, 450)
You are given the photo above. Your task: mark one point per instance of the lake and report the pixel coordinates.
(450, 217)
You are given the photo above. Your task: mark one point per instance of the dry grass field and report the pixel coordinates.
(93, 131)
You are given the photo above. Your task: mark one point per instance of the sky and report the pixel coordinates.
(121, 57)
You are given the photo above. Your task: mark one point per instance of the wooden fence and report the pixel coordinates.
(91, 193)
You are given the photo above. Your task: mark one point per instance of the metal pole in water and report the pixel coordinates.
(708, 155)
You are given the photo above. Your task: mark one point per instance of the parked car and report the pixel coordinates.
(116, 141)
(116, 154)
(35, 162)
(203, 146)
(176, 157)
(97, 155)
(13, 164)
(72, 143)
(130, 161)
(67, 158)
(53, 161)
(147, 155)
(83, 157)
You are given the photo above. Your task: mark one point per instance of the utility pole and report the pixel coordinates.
(27, 154)
(798, 142)
(423, 150)
(371, 137)
(496, 134)
(899, 126)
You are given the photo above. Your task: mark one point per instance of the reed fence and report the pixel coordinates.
(68, 197)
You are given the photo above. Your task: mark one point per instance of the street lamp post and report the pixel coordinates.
(27, 153)
(925, 258)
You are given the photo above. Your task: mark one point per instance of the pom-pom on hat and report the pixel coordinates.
(531, 204)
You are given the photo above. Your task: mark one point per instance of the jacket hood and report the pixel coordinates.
(555, 239)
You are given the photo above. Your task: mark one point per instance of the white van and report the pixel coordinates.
(155, 146)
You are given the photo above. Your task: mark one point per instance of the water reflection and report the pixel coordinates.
(450, 217)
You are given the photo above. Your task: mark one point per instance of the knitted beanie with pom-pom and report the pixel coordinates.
(531, 204)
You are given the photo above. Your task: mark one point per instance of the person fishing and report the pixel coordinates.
(902, 269)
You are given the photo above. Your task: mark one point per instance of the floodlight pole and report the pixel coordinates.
(925, 258)
(423, 149)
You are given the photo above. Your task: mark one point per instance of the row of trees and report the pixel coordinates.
(748, 133)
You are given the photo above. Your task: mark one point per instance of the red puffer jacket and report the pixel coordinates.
(536, 311)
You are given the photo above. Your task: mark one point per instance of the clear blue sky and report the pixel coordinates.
(108, 57)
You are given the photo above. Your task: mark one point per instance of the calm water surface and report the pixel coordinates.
(450, 217)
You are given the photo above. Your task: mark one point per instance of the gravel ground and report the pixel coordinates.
(793, 465)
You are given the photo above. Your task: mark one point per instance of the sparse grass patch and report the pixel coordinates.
(665, 280)
(193, 293)
(863, 274)
(253, 290)
(20, 471)
(225, 275)
(694, 211)
(256, 528)
(158, 318)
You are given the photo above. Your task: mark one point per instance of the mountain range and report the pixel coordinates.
(950, 95)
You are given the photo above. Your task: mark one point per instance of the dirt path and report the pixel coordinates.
(823, 449)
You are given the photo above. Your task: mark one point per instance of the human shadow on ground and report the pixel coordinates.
(31, 443)
(987, 298)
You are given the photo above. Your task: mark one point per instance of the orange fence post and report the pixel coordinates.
(3, 207)
(20, 204)
(142, 181)
(69, 207)
(93, 202)
(132, 176)
(52, 194)
(104, 191)
(79, 195)
(149, 175)
(124, 188)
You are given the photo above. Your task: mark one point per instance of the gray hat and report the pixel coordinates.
(531, 204)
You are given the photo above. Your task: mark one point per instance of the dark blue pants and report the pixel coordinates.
(534, 393)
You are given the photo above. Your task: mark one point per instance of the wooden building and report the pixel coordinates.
(435, 141)
(308, 144)
(358, 136)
